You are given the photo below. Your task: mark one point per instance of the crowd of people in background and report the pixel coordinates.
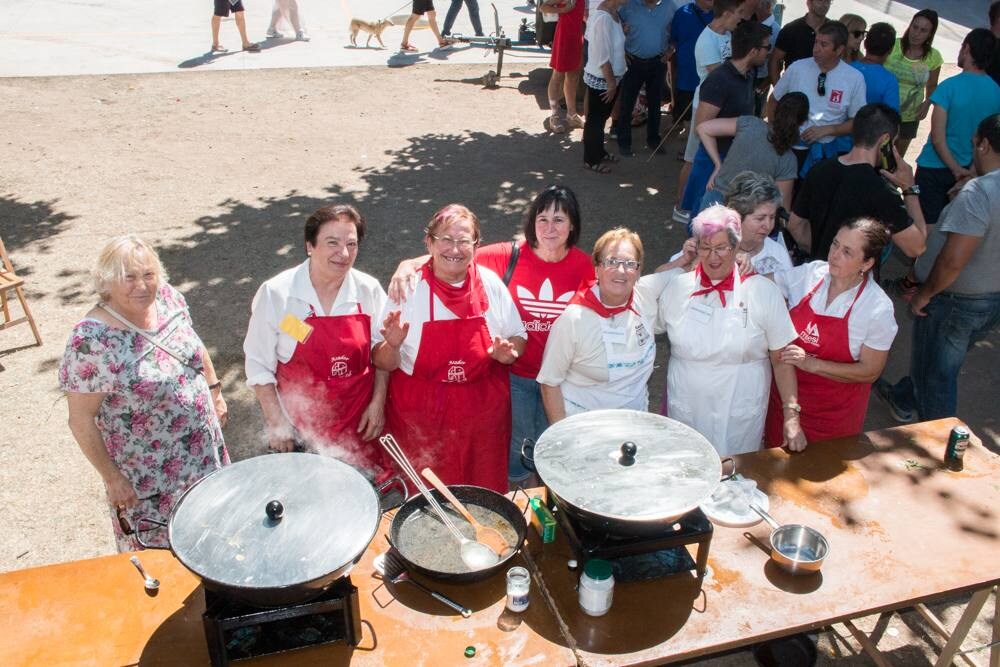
(794, 192)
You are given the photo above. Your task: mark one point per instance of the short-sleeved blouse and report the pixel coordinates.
(158, 421)
(912, 76)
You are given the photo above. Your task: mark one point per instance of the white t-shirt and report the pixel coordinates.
(766, 310)
(873, 320)
(844, 92)
(710, 49)
(605, 43)
(575, 349)
(772, 257)
(502, 318)
(292, 293)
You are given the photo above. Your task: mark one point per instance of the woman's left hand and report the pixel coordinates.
(795, 439)
(503, 350)
(372, 419)
(609, 94)
(221, 409)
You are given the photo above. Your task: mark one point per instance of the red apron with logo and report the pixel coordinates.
(830, 409)
(328, 383)
(453, 413)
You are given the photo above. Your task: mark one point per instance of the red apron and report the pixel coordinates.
(453, 413)
(328, 383)
(830, 409)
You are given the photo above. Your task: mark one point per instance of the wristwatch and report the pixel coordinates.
(912, 190)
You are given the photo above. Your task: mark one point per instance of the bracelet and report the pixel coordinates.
(216, 385)
(795, 407)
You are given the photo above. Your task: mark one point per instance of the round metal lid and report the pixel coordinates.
(221, 528)
(672, 470)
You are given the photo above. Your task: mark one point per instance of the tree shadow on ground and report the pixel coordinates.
(23, 223)
(220, 267)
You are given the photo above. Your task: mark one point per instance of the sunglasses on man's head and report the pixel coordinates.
(821, 84)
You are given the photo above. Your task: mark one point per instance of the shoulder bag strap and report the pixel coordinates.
(145, 335)
(515, 252)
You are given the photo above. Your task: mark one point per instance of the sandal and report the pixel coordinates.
(252, 47)
(445, 44)
(613, 159)
(556, 124)
(406, 46)
(599, 168)
(219, 48)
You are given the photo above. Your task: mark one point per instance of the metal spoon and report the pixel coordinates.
(152, 585)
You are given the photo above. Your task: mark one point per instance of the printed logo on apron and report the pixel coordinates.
(456, 371)
(339, 367)
(810, 334)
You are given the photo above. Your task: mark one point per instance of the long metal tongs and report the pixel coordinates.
(397, 454)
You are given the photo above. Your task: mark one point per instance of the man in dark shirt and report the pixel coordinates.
(685, 29)
(795, 40)
(854, 185)
(727, 92)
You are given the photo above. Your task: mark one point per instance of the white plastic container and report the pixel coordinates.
(518, 586)
(597, 587)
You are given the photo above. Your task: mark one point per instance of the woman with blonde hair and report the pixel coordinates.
(145, 403)
(857, 28)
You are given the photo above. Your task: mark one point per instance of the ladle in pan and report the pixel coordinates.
(491, 537)
(474, 554)
(795, 548)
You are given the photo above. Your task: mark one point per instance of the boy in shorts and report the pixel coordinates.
(421, 7)
(222, 9)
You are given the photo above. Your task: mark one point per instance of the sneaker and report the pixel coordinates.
(302, 36)
(886, 392)
(273, 34)
(681, 217)
(556, 124)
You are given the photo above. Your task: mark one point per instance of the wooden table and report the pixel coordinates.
(902, 531)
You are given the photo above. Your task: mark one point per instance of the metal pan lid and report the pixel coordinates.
(628, 465)
(223, 528)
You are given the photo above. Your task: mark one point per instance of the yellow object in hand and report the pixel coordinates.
(295, 328)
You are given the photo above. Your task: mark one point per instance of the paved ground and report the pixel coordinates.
(219, 168)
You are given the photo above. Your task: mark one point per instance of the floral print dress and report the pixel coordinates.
(157, 420)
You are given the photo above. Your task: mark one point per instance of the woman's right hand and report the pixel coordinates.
(281, 437)
(393, 331)
(120, 491)
(711, 180)
(403, 281)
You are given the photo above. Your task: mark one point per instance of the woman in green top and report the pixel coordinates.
(917, 65)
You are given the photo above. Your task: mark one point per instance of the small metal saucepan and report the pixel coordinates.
(795, 548)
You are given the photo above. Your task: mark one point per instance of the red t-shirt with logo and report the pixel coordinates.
(541, 291)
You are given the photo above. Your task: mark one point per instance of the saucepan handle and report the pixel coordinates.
(384, 487)
(138, 532)
(732, 473)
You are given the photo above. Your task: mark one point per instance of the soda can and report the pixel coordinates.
(958, 440)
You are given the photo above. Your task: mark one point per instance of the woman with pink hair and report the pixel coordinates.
(726, 336)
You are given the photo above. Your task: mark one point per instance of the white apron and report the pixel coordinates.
(628, 372)
(719, 373)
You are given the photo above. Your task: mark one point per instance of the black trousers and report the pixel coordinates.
(652, 72)
(598, 112)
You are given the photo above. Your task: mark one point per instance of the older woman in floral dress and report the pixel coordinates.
(145, 404)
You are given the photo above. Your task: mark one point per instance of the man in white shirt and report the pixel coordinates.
(836, 92)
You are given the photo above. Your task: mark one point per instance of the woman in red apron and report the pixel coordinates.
(308, 348)
(449, 348)
(846, 325)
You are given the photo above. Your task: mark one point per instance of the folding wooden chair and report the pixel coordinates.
(10, 281)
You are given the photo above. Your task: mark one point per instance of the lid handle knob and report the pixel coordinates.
(275, 510)
(628, 453)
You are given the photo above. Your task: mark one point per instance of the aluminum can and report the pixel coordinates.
(954, 453)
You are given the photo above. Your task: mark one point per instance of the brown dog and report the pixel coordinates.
(373, 29)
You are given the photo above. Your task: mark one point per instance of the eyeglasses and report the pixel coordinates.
(821, 84)
(614, 263)
(720, 251)
(461, 244)
(858, 34)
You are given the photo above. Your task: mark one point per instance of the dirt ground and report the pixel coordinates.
(219, 170)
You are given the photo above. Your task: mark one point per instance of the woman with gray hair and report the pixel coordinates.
(145, 403)
(756, 198)
(726, 335)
